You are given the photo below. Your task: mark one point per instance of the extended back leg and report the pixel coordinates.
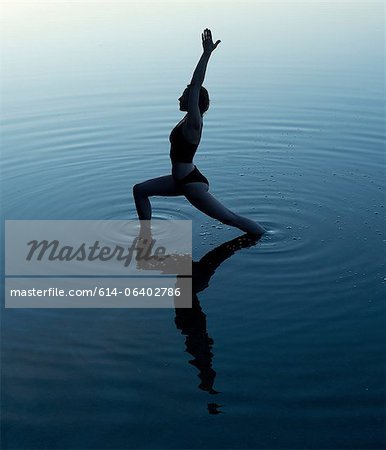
(199, 196)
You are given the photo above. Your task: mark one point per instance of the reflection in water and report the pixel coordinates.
(192, 321)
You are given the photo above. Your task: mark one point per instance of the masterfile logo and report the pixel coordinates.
(71, 247)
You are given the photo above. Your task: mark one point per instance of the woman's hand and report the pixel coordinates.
(207, 42)
(199, 71)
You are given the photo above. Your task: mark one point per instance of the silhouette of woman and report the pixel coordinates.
(185, 178)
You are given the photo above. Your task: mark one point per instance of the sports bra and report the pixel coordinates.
(180, 149)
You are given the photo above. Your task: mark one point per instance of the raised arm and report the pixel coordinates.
(208, 47)
(194, 115)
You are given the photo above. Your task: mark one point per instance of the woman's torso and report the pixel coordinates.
(183, 149)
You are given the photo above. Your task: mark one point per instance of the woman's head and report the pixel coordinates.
(203, 101)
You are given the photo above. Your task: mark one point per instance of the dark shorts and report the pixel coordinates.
(195, 176)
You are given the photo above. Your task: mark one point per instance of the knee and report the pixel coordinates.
(138, 190)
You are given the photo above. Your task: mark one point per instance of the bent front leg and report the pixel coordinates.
(162, 186)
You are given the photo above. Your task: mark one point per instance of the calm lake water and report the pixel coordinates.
(285, 344)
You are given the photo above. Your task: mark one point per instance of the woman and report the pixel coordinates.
(186, 179)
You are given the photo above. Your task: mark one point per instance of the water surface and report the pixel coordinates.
(284, 347)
